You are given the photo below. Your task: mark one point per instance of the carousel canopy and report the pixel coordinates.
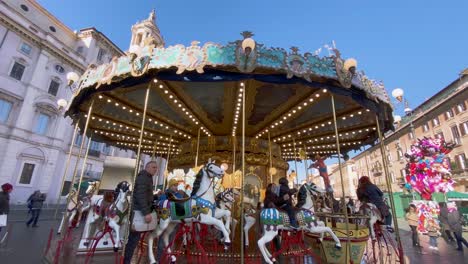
(287, 95)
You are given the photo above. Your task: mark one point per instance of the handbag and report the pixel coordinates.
(3, 220)
(139, 223)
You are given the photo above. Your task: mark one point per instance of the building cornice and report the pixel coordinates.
(52, 17)
(41, 43)
(93, 32)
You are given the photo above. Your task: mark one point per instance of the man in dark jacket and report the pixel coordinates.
(143, 202)
(443, 218)
(36, 200)
(5, 199)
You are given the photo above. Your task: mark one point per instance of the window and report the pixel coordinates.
(411, 135)
(435, 122)
(399, 153)
(17, 71)
(461, 161)
(425, 127)
(80, 49)
(59, 68)
(464, 128)
(460, 108)
(449, 114)
(107, 149)
(25, 8)
(392, 175)
(403, 173)
(439, 135)
(101, 54)
(66, 187)
(455, 135)
(26, 48)
(53, 87)
(52, 28)
(78, 139)
(41, 125)
(27, 173)
(95, 145)
(5, 108)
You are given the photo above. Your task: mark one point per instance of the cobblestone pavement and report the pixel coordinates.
(27, 245)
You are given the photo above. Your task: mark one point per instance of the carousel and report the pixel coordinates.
(228, 119)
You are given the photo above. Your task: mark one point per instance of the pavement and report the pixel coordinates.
(28, 245)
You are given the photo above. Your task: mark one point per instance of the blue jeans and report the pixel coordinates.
(34, 216)
(388, 220)
(433, 241)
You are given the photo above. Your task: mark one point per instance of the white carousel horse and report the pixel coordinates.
(117, 213)
(202, 200)
(224, 204)
(86, 200)
(72, 209)
(370, 210)
(249, 221)
(274, 220)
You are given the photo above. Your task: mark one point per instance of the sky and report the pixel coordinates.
(419, 46)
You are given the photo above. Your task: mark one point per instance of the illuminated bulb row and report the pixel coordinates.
(133, 111)
(291, 150)
(146, 146)
(317, 126)
(120, 127)
(128, 138)
(181, 106)
(313, 152)
(291, 113)
(238, 109)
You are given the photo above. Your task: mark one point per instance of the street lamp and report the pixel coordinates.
(72, 78)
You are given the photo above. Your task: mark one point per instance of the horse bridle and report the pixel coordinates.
(222, 197)
(208, 170)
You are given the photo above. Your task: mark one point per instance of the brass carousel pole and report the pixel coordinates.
(271, 162)
(295, 162)
(66, 169)
(137, 164)
(234, 143)
(242, 177)
(341, 177)
(153, 154)
(83, 166)
(167, 163)
(390, 194)
(305, 164)
(198, 147)
(153, 158)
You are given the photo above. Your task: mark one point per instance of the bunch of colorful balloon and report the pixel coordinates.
(427, 211)
(428, 169)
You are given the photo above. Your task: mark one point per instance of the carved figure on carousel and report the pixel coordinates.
(76, 206)
(274, 220)
(200, 206)
(320, 165)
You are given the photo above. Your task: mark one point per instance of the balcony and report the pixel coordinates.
(91, 175)
(94, 153)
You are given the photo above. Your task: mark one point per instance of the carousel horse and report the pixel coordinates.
(72, 209)
(249, 221)
(273, 220)
(370, 210)
(86, 200)
(117, 213)
(201, 208)
(224, 202)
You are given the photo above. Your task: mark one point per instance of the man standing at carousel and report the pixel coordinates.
(143, 202)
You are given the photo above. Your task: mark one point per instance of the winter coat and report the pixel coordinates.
(443, 218)
(143, 193)
(4, 203)
(433, 231)
(283, 190)
(412, 218)
(271, 199)
(370, 193)
(454, 221)
(36, 200)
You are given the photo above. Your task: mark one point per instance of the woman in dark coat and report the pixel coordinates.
(5, 199)
(271, 198)
(285, 201)
(368, 192)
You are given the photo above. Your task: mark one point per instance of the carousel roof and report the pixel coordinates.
(287, 94)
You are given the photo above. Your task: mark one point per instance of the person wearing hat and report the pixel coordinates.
(5, 199)
(172, 191)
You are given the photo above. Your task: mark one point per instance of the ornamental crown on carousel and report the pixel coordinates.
(428, 168)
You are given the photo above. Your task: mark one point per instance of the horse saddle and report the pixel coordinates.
(179, 204)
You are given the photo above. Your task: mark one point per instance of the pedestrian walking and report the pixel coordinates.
(433, 231)
(5, 201)
(413, 221)
(35, 201)
(443, 218)
(454, 221)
